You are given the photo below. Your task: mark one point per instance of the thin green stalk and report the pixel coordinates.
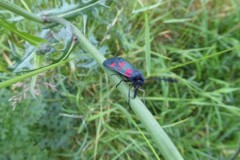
(30, 74)
(147, 45)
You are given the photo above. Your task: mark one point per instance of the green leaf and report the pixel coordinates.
(28, 37)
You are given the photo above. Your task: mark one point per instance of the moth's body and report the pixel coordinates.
(126, 70)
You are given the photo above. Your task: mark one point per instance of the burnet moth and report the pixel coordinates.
(129, 73)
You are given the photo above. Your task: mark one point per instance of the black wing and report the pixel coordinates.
(120, 65)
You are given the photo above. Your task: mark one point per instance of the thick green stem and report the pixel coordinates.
(20, 11)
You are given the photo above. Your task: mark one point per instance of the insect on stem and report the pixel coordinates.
(130, 74)
(126, 71)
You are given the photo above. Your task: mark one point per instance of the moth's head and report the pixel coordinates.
(137, 79)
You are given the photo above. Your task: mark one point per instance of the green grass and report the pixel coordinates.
(72, 110)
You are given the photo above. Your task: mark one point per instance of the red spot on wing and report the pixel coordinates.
(121, 64)
(128, 72)
(113, 64)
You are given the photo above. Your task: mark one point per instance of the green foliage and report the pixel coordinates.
(28, 37)
(17, 140)
(73, 112)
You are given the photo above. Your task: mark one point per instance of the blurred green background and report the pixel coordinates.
(73, 111)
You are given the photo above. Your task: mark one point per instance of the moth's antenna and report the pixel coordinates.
(167, 79)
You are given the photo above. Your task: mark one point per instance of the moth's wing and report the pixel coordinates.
(120, 65)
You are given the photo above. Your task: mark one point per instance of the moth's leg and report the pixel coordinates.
(143, 94)
(125, 80)
(135, 93)
(129, 97)
(119, 83)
